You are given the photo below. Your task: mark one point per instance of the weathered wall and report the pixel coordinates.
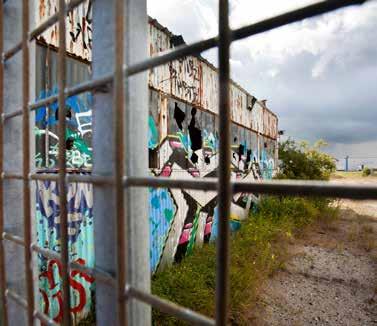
(78, 111)
(191, 79)
(80, 243)
(188, 148)
(183, 143)
(78, 27)
(194, 80)
(80, 196)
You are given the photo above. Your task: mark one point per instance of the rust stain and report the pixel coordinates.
(79, 29)
(190, 79)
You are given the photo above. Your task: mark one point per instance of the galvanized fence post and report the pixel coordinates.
(12, 161)
(136, 255)
(103, 160)
(136, 156)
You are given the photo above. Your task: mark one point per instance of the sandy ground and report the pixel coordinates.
(331, 277)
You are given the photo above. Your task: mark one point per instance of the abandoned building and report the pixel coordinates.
(183, 142)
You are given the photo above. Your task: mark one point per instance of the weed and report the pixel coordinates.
(366, 172)
(257, 250)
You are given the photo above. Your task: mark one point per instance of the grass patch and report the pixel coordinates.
(257, 250)
(352, 174)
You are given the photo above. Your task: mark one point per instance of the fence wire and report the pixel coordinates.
(119, 181)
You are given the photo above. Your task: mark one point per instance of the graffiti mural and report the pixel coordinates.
(80, 245)
(180, 220)
(78, 136)
(78, 139)
(267, 158)
(183, 142)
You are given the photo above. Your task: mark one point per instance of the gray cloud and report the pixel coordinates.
(323, 84)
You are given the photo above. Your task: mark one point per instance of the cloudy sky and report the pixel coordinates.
(318, 75)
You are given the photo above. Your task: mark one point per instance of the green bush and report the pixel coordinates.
(301, 161)
(257, 250)
(367, 171)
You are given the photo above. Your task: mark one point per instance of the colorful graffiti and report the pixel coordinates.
(78, 132)
(183, 143)
(180, 220)
(80, 245)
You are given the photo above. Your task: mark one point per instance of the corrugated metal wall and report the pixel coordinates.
(80, 243)
(191, 79)
(78, 27)
(195, 81)
(183, 140)
(78, 112)
(183, 143)
(80, 195)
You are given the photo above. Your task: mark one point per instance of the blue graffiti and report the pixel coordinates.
(78, 103)
(267, 165)
(79, 206)
(161, 215)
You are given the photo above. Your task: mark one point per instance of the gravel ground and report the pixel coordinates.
(331, 278)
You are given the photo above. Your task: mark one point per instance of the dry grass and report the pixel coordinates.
(363, 234)
(352, 175)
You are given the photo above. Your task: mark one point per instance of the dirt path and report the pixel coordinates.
(331, 278)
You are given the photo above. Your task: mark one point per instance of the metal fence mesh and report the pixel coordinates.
(119, 181)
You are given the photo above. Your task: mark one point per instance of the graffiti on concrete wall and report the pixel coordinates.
(80, 245)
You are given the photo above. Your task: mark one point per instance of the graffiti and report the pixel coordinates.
(78, 30)
(161, 212)
(267, 159)
(80, 245)
(52, 300)
(183, 142)
(83, 28)
(180, 220)
(77, 136)
(186, 79)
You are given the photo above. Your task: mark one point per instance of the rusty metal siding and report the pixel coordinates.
(269, 124)
(190, 79)
(210, 99)
(186, 79)
(274, 126)
(257, 117)
(265, 122)
(238, 102)
(78, 28)
(159, 77)
(195, 81)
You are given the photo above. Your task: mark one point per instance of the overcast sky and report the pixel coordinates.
(318, 75)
